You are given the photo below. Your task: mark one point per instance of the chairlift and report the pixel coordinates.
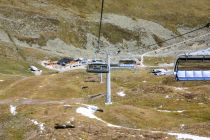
(127, 63)
(192, 68)
(98, 68)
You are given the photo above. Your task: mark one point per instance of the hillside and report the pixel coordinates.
(151, 108)
(128, 25)
(144, 106)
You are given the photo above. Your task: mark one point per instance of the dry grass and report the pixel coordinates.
(62, 86)
(137, 110)
(168, 13)
(155, 61)
(15, 62)
(171, 14)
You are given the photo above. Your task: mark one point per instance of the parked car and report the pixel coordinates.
(159, 72)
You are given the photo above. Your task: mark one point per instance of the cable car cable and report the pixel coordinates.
(100, 25)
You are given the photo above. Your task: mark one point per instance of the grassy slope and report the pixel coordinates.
(169, 13)
(11, 62)
(17, 62)
(137, 110)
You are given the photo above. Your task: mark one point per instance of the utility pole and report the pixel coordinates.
(108, 83)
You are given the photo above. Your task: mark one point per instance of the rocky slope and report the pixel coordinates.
(70, 28)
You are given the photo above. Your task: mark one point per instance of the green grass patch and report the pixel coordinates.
(155, 61)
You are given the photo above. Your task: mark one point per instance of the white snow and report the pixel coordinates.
(40, 125)
(121, 93)
(181, 88)
(181, 136)
(1, 80)
(67, 105)
(111, 125)
(88, 111)
(168, 111)
(144, 81)
(182, 126)
(167, 97)
(13, 110)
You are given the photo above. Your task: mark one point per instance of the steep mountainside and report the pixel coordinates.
(70, 27)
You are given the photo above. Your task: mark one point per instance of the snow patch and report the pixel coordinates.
(181, 136)
(168, 111)
(111, 125)
(67, 105)
(88, 111)
(167, 97)
(121, 93)
(13, 110)
(182, 126)
(39, 124)
(1, 80)
(180, 88)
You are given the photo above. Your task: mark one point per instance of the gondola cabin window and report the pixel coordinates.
(192, 68)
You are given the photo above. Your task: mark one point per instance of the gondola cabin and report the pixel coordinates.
(192, 68)
(127, 63)
(97, 68)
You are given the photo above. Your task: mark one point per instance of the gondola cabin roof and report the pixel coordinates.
(194, 57)
(127, 61)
